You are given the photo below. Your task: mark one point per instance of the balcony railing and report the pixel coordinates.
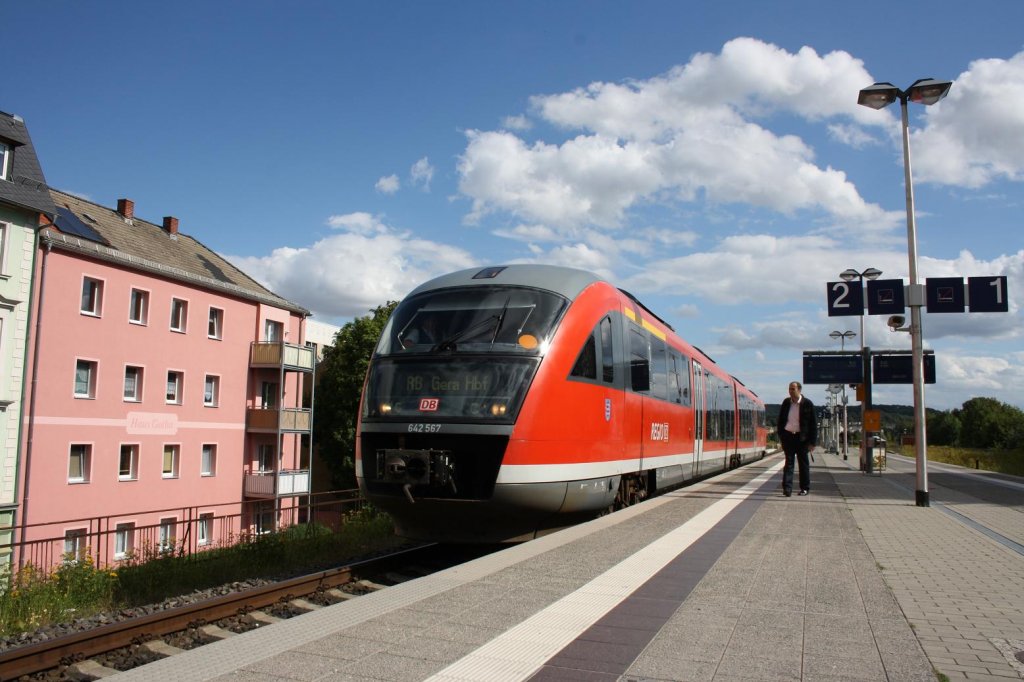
(277, 484)
(281, 354)
(290, 419)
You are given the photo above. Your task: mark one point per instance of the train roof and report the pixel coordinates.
(568, 282)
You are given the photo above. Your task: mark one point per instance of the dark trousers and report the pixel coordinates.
(795, 449)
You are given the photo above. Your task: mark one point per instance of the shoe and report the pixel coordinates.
(804, 492)
(788, 494)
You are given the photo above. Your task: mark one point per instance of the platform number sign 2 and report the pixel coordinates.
(845, 298)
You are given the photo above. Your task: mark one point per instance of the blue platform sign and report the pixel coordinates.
(885, 297)
(833, 368)
(845, 298)
(987, 294)
(899, 368)
(945, 294)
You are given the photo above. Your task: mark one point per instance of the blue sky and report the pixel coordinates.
(709, 157)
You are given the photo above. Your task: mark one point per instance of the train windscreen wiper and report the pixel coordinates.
(449, 343)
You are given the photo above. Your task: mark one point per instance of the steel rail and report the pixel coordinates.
(34, 658)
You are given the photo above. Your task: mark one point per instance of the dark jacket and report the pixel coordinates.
(808, 421)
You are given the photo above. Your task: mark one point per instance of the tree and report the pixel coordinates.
(944, 428)
(339, 385)
(988, 423)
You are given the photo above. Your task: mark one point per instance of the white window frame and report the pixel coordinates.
(6, 160)
(124, 540)
(204, 529)
(179, 385)
(168, 534)
(143, 296)
(93, 368)
(5, 233)
(264, 518)
(174, 450)
(75, 545)
(82, 452)
(140, 373)
(265, 454)
(94, 306)
(215, 325)
(133, 462)
(211, 390)
(273, 331)
(179, 315)
(208, 460)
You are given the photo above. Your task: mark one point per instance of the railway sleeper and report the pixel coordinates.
(161, 648)
(91, 670)
(303, 605)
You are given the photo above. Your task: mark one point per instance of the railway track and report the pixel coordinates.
(70, 656)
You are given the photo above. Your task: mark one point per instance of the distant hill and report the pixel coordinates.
(852, 411)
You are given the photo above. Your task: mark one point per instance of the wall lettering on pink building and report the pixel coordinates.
(152, 424)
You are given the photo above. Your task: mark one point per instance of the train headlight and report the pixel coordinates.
(499, 409)
(385, 408)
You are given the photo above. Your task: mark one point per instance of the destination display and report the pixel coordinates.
(899, 368)
(833, 368)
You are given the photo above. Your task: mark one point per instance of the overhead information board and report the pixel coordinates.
(899, 368)
(833, 368)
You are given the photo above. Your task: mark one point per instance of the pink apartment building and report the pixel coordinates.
(164, 390)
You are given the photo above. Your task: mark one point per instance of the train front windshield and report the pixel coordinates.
(465, 354)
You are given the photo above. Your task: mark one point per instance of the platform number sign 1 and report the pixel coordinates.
(987, 294)
(845, 298)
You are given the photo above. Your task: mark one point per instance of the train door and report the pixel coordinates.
(698, 417)
(639, 382)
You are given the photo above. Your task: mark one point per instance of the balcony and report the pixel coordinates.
(271, 484)
(281, 355)
(287, 420)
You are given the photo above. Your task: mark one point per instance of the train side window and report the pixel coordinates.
(639, 361)
(586, 363)
(675, 394)
(659, 371)
(607, 356)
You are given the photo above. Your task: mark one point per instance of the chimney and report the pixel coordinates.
(126, 207)
(171, 224)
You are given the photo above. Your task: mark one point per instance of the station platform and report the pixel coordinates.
(723, 580)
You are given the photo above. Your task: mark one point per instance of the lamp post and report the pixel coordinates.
(925, 91)
(842, 336)
(849, 275)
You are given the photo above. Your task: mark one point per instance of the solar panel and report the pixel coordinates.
(68, 223)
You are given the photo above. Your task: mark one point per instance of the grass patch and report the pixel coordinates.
(1000, 461)
(77, 589)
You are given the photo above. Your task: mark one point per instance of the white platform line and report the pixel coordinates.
(521, 651)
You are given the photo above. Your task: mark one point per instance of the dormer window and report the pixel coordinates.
(6, 153)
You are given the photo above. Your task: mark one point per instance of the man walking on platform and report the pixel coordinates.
(798, 434)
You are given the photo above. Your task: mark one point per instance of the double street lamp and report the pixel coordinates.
(925, 91)
(849, 275)
(842, 336)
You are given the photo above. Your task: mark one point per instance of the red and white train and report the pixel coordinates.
(506, 401)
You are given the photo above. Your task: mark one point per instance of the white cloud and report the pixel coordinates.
(976, 134)
(347, 274)
(685, 136)
(388, 184)
(422, 173)
(516, 123)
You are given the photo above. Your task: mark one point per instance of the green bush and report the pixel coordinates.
(77, 588)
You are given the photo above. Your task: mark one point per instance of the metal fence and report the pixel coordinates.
(106, 541)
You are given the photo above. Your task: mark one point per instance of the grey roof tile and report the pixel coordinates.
(143, 245)
(25, 186)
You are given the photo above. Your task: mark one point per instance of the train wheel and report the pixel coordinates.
(631, 490)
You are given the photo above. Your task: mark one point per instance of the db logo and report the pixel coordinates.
(429, 404)
(659, 432)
